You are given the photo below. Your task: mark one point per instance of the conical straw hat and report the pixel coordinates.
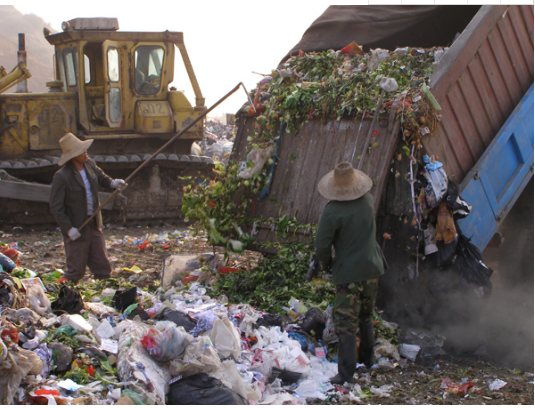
(71, 147)
(344, 183)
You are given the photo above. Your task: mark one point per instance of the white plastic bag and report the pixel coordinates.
(151, 378)
(166, 341)
(383, 348)
(38, 300)
(199, 357)
(258, 157)
(230, 378)
(225, 338)
(311, 389)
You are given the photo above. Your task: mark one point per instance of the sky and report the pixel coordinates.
(228, 42)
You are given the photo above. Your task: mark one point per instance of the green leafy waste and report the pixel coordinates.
(276, 280)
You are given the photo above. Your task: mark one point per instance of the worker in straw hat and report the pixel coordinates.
(347, 223)
(74, 197)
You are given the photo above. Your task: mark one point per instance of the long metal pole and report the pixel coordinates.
(115, 192)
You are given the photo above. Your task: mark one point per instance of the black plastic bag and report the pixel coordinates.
(470, 263)
(455, 203)
(446, 253)
(138, 311)
(286, 377)
(69, 300)
(269, 320)
(124, 298)
(201, 389)
(314, 323)
(179, 318)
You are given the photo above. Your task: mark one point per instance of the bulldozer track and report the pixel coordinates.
(51, 161)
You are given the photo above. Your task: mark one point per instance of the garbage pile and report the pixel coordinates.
(218, 141)
(348, 83)
(177, 345)
(437, 207)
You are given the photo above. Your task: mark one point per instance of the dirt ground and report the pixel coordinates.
(413, 382)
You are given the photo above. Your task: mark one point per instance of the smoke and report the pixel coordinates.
(503, 324)
(500, 327)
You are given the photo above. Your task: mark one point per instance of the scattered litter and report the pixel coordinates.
(497, 384)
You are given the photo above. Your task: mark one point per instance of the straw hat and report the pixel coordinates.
(71, 147)
(344, 183)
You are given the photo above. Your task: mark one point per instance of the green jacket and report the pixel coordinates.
(68, 201)
(349, 226)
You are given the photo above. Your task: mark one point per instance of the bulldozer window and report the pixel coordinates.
(114, 100)
(69, 58)
(87, 69)
(113, 64)
(148, 69)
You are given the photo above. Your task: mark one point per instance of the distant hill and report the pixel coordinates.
(39, 52)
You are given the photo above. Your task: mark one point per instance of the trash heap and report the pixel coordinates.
(349, 83)
(325, 86)
(217, 143)
(177, 345)
(437, 206)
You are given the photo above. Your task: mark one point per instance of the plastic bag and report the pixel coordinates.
(205, 322)
(437, 186)
(455, 203)
(152, 379)
(258, 157)
(430, 240)
(230, 377)
(225, 338)
(178, 318)
(470, 264)
(39, 302)
(263, 363)
(409, 351)
(215, 152)
(269, 320)
(69, 300)
(200, 389)
(199, 357)
(310, 389)
(166, 341)
(285, 376)
(383, 348)
(446, 252)
(17, 364)
(124, 298)
(314, 323)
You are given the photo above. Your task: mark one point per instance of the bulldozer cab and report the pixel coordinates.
(122, 78)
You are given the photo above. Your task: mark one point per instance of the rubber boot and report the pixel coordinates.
(366, 355)
(347, 359)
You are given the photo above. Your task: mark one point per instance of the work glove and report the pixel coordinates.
(74, 234)
(118, 184)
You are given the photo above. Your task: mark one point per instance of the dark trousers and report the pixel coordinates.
(90, 251)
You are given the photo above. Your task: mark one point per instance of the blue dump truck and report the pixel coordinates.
(482, 87)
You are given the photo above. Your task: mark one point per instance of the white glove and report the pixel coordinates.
(118, 184)
(74, 234)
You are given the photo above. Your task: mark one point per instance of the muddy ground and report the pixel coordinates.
(413, 382)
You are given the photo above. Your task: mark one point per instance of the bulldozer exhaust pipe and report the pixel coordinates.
(22, 86)
(142, 165)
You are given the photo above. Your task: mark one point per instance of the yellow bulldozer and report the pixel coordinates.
(111, 86)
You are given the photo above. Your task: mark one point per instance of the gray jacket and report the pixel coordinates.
(68, 200)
